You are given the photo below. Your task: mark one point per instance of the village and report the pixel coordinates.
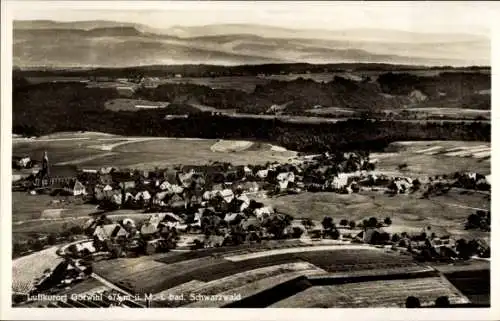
(192, 207)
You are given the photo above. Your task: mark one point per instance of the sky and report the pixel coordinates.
(427, 17)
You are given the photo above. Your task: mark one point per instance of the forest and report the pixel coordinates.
(217, 71)
(387, 91)
(51, 107)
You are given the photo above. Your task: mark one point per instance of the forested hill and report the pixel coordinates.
(387, 91)
(51, 107)
(200, 70)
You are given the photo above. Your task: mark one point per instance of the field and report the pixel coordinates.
(88, 286)
(27, 207)
(445, 214)
(26, 269)
(460, 113)
(386, 293)
(27, 215)
(245, 83)
(95, 150)
(330, 110)
(430, 158)
(133, 104)
(239, 279)
(28, 218)
(335, 276)
(146, 275)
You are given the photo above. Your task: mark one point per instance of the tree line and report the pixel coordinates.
(51, 107)
(217, 70)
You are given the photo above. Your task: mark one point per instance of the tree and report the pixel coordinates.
(473, 247)
(412, 302)
(463, 249)
(52, 239)
(442, 302)
(421, 237)
(76, 230)
(395, 238)
(88, 269)
(254, 237)
(415, 185)
(276, 225)
(297, 232)
(344, 222)
(352, 224)
(197, 244)
(372, 222)
(307, 222)
(37, 245)
(473, 221)
(238, 235)
(327, 223)
(387, 221)
(402, 166)
(332, 233)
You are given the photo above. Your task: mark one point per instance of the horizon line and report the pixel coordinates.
(254, 24)
(14, 67)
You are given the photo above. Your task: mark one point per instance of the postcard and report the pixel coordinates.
(205, 160)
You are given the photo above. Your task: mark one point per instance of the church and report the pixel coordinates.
(52, 176)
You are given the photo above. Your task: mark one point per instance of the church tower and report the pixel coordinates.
(45, 164)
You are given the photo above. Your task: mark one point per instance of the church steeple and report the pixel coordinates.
(45, 164)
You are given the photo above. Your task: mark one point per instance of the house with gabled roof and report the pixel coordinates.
(185, 179)
(117, 198)
(177, 201)
(230, 217)
(161, 198)
(150, 229)
(262, 173)
(75, 188)
(143, 195)
(263, 212)
(227, 195)
(105, 178)
(102, 192)
(247, 171)
(110, 232)
(245, 202)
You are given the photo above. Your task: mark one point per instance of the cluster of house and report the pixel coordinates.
(195, 184)
(166, 230)
(22, 162)
(425, 245)
(186, 186)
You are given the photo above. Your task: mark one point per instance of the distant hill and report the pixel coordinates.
(360, 34)
(115, 44)
(79, 25)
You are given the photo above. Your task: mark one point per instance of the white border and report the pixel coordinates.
(7, 312)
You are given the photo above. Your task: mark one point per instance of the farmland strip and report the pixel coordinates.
(251, 256)
(422, 151)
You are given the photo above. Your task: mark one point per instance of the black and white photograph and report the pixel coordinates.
(332, 155)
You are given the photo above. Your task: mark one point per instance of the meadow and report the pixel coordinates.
(133, 104)
(244, 83)
(145, 274)
(429, 158)
(445, 112)
(96, 151)
(409, 213)
(26, 269)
